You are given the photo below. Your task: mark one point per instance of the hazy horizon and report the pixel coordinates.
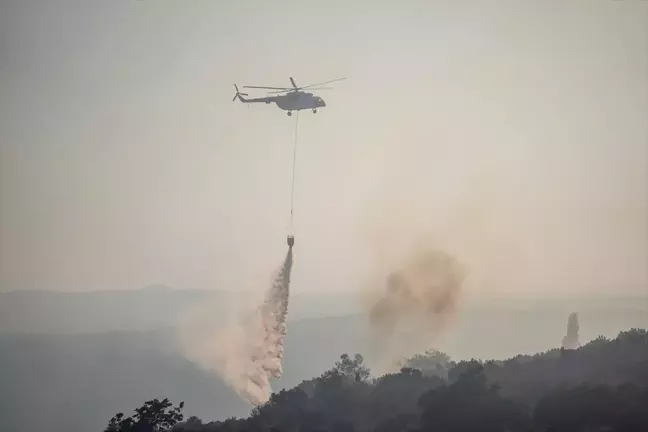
(338, 293)
(511, 134)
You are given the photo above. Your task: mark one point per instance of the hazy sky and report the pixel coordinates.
(512, 133)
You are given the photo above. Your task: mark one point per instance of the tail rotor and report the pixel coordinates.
(238, 93)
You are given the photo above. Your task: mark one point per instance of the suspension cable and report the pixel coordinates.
(292, 192)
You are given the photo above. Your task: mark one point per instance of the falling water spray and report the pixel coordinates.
(570, 341)
(246, 351)
(261, 358)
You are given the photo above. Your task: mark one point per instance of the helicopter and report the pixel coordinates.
(294, 98)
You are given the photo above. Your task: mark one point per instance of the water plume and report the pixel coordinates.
(570, 341)
(247, 351)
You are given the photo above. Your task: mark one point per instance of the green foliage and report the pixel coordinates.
(601, 361)
(470, 404)
(525, 393)
(283, 411)
(431, 363)
(342, 393)
(396, 395)
(192, 424)
(467, 368)
(352, 368)
(588, 407)
(154, 416)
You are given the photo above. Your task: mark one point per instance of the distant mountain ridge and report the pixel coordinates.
(159, 306)
(149, 308)
(78, 381)
(94, 312)
(97, 353)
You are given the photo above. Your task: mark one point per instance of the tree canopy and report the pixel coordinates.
(599, 386)
(154, 416)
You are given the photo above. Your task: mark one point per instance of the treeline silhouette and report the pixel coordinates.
(601, 386)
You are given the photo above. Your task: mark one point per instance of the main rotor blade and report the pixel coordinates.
(268, 88)
(292, 81)
(327, 82)
(282, 91)
(299, 89)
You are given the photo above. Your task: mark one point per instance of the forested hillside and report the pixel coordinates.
(65, 356)
(600, 386)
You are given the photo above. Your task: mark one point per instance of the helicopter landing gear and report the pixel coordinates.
(289, 113)
(315, 111)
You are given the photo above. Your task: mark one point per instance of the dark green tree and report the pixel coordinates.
(352, 368)
(464, 367)
(345, 399)
(432, 362)
(471, 404)
(396, 395)
(594, 407)
(154, 416)
(284, 411)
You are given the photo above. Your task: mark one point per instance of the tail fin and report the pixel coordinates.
(239, 95)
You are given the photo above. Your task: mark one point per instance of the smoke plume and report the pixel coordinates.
(419, 299)
(248, 350)
(570, 341)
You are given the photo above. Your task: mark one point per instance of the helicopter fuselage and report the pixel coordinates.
(294, 98)
(296, 101)
(293, 101)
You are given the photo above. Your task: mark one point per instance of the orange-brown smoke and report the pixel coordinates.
(420, 298)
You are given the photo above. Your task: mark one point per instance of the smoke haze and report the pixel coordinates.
(420, 298)
(248, 349)
(116, 170)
